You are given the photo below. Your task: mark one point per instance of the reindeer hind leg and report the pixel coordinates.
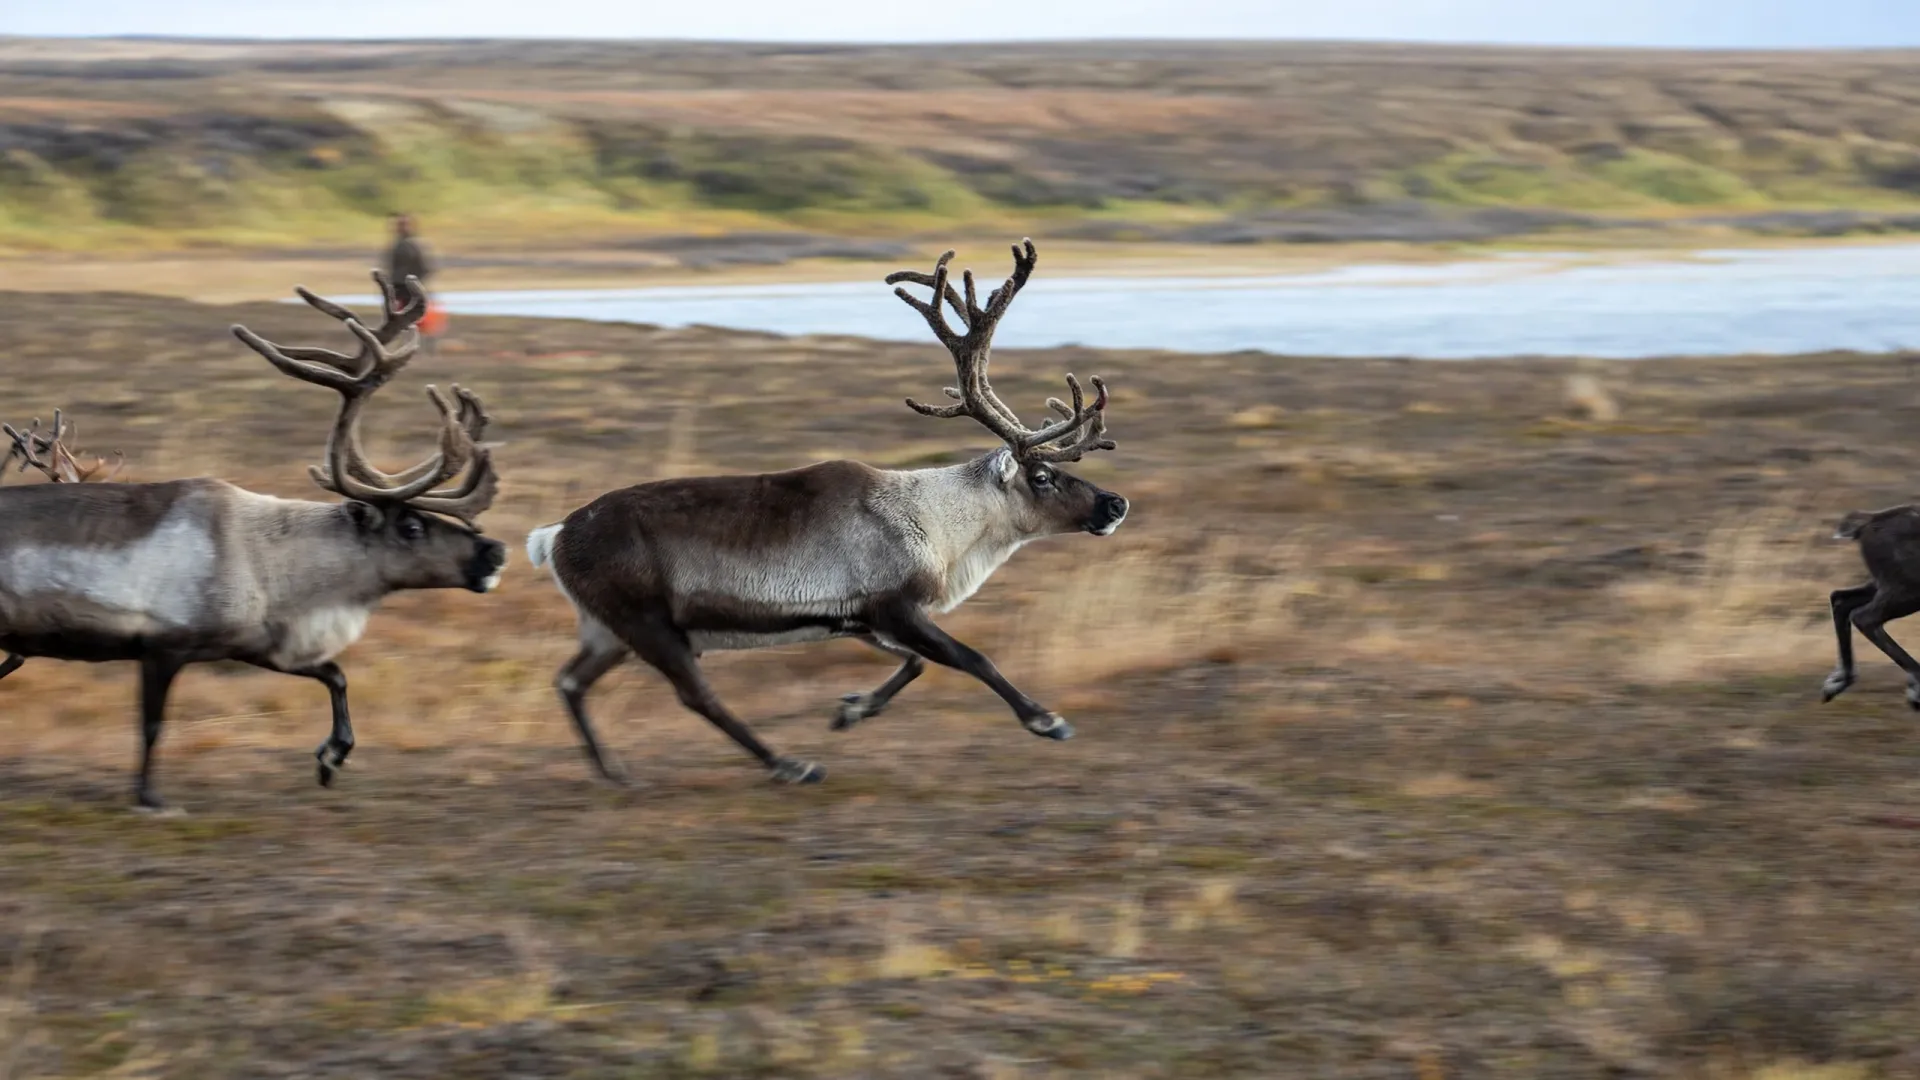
(11, 664)
(1872, 618)
(1845, 602)
(857, 707)
(666, 648)
(600, 652)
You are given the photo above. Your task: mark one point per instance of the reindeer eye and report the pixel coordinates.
(412, 529)
(1041, 478)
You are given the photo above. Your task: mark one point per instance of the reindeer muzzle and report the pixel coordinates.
(489, 558)
(1109, 510)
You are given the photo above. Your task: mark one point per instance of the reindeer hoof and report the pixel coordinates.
(1837, 684)
(1049, 726)
(330, 764)
(796, 771)
(853, 709)
(152, 806)
(1913, 696)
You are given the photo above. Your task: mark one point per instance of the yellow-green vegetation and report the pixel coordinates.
(1412, 744)
(159, 144)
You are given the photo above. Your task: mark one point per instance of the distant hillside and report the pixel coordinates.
(141, 141)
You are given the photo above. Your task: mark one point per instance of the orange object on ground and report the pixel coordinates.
(434, 322)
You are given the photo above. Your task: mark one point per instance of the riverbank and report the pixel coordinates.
(240, 275)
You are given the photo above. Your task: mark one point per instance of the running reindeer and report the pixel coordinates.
(187, 571)
(675, 568)
(1888, 540)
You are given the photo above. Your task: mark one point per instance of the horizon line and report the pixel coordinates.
(857, 43)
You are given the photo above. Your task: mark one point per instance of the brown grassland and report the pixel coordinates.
(112, 145)
(1427, 730)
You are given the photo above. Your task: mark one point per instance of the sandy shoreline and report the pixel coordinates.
(235, 277)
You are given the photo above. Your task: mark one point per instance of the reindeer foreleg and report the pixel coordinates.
(911, 628)
(857, 707)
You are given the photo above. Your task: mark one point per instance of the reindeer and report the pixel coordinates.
(676, 568)
(48, 453)
(34, 451)
(1887, 539)
(187, 571)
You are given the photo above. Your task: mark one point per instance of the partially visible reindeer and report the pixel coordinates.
(49, 454)
(186, 571)
(35, 449)
(675, 568)
(1889, 543)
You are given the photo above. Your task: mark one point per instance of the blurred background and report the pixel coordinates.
(1488, 379)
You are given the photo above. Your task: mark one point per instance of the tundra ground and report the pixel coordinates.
(1426, 730)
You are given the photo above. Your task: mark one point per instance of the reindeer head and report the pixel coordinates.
(1045, 498)
(48, 453)
(396, 513)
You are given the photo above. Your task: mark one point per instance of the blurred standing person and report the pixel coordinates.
(409, 256)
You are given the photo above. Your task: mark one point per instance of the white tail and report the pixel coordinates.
(540, 544)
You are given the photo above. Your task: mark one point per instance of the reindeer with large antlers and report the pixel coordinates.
(186, 571)
(672, 569)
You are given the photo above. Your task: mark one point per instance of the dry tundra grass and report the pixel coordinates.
(1425, 732)
(170, 144)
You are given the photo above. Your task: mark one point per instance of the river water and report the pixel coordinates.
(1787, 300)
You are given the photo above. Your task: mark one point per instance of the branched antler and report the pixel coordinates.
(356, 378)
(48, 453)
(1080, 430)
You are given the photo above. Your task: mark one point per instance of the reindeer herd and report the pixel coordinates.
(187, 571)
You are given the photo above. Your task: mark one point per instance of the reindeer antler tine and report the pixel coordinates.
(332, 376)
(944, 412)
(322, 304)
(925, 309)
(941, 287)
(387, 295)
(473, 413)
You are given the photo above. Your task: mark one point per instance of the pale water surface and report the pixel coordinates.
(1791, 300)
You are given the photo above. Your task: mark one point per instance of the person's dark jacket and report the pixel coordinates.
(407, 256)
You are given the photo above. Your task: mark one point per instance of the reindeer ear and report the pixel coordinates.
(365, 516)
(1004, 466)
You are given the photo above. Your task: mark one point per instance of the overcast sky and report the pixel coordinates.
(1709, 23)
